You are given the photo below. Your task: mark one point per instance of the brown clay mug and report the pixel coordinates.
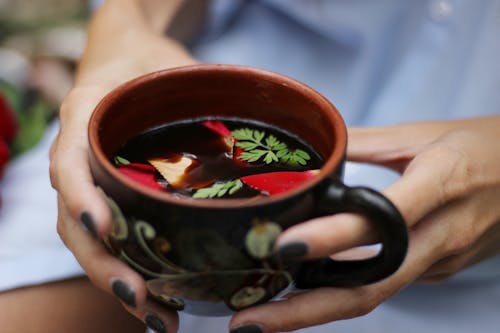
(213, 256)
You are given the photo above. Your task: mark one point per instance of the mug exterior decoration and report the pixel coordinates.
(214, 256)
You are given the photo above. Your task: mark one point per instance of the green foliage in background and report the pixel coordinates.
(32, 115)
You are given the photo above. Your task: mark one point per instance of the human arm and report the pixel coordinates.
(125, 40)
(448, 194)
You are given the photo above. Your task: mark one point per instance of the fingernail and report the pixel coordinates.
(155, 323)
(249, 328)
(292, 250)
(89, 223)
(124, 292)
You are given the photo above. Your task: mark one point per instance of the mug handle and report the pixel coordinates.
(326, 272)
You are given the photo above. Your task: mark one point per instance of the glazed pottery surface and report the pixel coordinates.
(213, 256)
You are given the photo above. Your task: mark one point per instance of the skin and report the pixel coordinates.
(448, 192)
(113, 56)
(81, 308)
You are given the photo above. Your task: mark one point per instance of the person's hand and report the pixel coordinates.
(448, 194)
(79, 201)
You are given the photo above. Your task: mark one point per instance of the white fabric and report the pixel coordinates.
(30, 249)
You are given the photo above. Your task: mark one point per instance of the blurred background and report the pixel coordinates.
(40, 41)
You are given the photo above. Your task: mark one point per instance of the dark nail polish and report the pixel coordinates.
(292, 250)
(124, 292)
(251, 328)
(89, 223)
(155, 323)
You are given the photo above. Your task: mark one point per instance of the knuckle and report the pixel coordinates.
(450, 265)
(61, 230)
(292, 323)
(371, 296)
(457, 166)
(53, 174)
(460, 239)
(453, 266)
(438, 278)
(459, 243)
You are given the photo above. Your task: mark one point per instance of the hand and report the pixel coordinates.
(448, 194)
(78, 200)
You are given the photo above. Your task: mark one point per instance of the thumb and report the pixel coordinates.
(391, 146)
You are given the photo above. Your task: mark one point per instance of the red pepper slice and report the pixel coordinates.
(218, 127)
(278, 182)
(141, 173)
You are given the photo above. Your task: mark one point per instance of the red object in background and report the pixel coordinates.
(278, 182)
(8, 127)
(8, 130)
(142, 173)
(4, 156)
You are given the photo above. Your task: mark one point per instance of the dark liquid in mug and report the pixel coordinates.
(214, 161)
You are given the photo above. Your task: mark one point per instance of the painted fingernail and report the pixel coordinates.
(292, 250)
(124, 292)
(155, 323)
(89, 223)
(249, 328)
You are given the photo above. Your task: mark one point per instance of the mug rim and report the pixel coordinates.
(328, 168)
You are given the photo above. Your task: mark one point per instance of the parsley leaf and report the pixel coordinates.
(218, 189)
(295, 157)
(271, 150)
(121, 161)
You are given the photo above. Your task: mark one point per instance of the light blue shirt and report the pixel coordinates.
(380, 62)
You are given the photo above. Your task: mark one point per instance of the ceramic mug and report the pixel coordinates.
(213, 256)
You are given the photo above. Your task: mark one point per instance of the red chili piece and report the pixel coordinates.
(141, 173)
(278, 182)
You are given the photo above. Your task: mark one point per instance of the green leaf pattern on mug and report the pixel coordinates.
(260, 239)
(120, 228)
(247, 296)
(208, 267)
(145, 232)
(204, 250)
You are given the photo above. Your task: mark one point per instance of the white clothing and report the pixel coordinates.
(31, 252)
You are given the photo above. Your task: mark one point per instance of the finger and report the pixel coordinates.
(419, 191)
(466, 247)
(113, 276)
(392, 146)
(158, 318)
(326, 235)
(69, 169)
(323, 305)
(416, 194)
(104, 270)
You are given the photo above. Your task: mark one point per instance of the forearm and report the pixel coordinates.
(126, 30)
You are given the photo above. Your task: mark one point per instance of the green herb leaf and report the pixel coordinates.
(270, 157)
(252, 155)
(269, 151)
(272, 150)
(259, 135)
(121, 161)
(295, 157)
(218, 189)
(243, 134)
